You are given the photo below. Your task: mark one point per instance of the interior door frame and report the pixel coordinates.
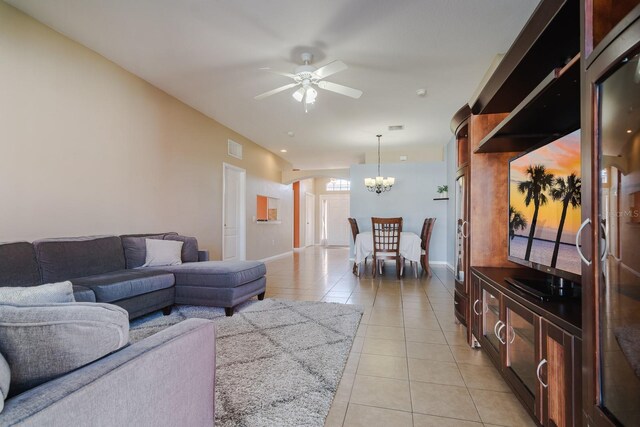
(242, 223)
(308, 216)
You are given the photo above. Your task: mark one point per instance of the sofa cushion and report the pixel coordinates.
(69, 258)
(82, 294)
(5, 380)
(162, 252)
(189, 247)
(217, 274)
(135, 249)
(18, 265)
(117, 285)
(50, 293)
(42, 342)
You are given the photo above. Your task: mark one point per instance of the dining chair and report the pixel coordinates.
(386, 243)
(425, 237)
(354, 232)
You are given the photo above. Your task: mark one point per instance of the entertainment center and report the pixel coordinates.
(547, 266)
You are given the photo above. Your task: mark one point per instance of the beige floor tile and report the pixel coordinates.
(352, 363)
(422, 322)
(386, 319)
(335, 418)
(483, 377)
(500, 408)
(432, 371)
(381, 392)
(417, 305)
(458, 337)
(443, 400)
(383, 366)
(421, 420)
(425, 336)
(384, 347)
(358, 343)
(343, 393)
(385, 332)
(419, 350)
(470, 356)
(367, 416)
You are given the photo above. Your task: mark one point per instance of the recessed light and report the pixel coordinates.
(421, 92)
(291, 133)
(629, 131)
(283, 151)
(396, 127)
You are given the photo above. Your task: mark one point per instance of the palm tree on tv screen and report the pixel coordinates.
(533, 188)
(567, 191)
(517, 221)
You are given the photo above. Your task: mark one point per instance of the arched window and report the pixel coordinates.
(338, 185)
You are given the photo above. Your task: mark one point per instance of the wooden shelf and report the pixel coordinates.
(551, 110)
(548, 40)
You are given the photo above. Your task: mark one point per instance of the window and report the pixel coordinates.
(339, 185)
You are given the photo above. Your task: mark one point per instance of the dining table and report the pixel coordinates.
(410, 246)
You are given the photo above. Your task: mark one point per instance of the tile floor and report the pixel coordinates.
(410, 364)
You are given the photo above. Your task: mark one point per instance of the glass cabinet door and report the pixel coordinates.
(619, 228)
(491, 324)
(461, 231)
(520, 336)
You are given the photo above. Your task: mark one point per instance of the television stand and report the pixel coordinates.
(543, 289)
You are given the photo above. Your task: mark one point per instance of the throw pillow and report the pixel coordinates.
(162, 253)
(5, 379)
(135, 249)
(45, 341)
(189, 247)
(50, 293)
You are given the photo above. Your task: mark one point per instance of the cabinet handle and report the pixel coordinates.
(462, 229)
(605, 249)
(513, 334)
(474, 307)
(497, 332)
(538, 369)
(583, 225)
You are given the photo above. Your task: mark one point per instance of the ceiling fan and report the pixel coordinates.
(306, 76)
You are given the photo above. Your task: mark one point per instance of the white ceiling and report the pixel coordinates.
(207, 53)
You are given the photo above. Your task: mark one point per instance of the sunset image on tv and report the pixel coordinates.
(544, 204)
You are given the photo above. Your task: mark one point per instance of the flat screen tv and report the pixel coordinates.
(544, 208)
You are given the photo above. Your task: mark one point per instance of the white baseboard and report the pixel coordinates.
(276, 256)
(298, 249)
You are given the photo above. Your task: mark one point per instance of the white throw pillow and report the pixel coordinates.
(163, 252)
(60, 292)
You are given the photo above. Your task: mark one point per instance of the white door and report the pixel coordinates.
(233, 213)
(310, 226)
(335, 214)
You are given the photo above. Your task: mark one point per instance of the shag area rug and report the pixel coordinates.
(278, 363)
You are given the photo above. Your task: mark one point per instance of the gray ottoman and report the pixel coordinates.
(219, 283)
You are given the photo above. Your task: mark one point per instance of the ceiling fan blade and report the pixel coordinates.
(342, 90)
(329, 69)
(269, 70)
(274, 91)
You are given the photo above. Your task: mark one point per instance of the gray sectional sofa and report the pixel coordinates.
(109, 269)
(166, 379)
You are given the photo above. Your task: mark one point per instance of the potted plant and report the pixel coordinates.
(443, 191)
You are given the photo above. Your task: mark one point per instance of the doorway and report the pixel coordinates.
(334, 216)
(310, 223)
(233, 213)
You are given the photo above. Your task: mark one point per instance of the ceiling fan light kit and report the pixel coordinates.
(306, 76)
(379, 184)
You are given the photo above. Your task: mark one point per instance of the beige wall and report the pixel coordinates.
(88, 148)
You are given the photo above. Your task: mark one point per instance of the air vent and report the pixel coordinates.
(396, 127)
(234, 149)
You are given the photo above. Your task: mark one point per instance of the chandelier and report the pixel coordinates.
(379, 184)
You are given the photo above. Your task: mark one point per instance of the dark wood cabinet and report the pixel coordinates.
(611, 213)
(535, 346)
